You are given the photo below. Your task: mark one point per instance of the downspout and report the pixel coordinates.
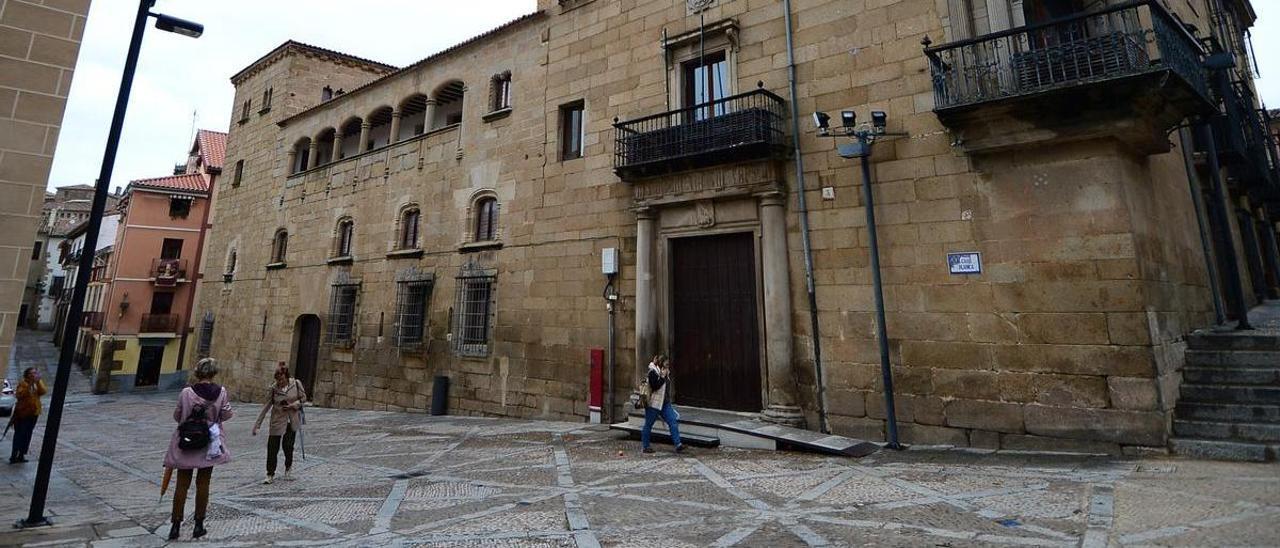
(804, 224)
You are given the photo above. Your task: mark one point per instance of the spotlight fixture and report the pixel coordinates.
(848, 119)
(175, 25)
(822, 120)
(879, 120)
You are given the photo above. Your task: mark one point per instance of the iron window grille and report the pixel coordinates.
(412, 301)
(473, 313)
(206, 336)
(342, 315)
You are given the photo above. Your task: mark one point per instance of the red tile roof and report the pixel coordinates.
(182, 183)
(213, 147)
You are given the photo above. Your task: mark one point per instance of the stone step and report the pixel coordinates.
(661, 435)
(1229, 393)
(1256, 376)
(1232, 358)
(1232, 431)
(1233, 340)
(1227, 412)
(1224, 450)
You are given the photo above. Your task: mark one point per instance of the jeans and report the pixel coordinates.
(22, 429)
(273, 448)
(202, 493)
(668, 415)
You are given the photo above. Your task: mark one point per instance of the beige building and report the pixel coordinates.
(382, 226)
(39, 41)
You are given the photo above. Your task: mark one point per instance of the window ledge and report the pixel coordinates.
(497, 114)
(480, 246)
(345, 259)
(264, 111)
(405, 253)
(277, 266)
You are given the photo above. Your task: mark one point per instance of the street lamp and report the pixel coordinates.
(40, 490)
(865, 136)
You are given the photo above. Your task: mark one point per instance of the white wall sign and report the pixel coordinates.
(968, 262)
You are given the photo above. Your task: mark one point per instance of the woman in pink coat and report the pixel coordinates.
(212, 398)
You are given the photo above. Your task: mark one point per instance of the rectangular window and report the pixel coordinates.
(266, 101)
(571, 128)
(206, 336)
(472, 315)
(162, 302)
(706, 80)
(171, 248)
(36, 249)
(55, 288)
(239, 173)
(179, 207)
(244, 111)
(342, 315)
(412, 298)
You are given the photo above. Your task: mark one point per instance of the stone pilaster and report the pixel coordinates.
(337, 147)
(364, 137)
(313, 154)
(395, 127)
(781, 404)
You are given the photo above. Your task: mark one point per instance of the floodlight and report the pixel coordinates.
(822, 121)
(848, 118)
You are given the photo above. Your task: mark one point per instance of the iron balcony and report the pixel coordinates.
(743, 127)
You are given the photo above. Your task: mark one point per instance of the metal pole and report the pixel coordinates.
(40, 490)
(1219, 314)
(882, 336)
(816, 337)
(613, 311)
(1218, 207)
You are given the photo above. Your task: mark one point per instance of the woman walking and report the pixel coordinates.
(201, 404)
(659, 379)
(26, 411)
(285, 403)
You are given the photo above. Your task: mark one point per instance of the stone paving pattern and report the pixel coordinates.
(397, 479)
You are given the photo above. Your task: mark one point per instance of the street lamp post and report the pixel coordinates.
(864, 137)
(40, 490)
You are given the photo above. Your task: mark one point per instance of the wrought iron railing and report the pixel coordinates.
(739, 127)
(1243, 138)
(1124, 40)
(168, 270)
(159, 323)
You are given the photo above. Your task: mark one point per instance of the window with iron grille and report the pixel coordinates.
(342, 315)
(206, 336)
(472, 313)
(486, 219)
(412, 299)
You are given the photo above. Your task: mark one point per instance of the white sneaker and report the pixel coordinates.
(268, 480)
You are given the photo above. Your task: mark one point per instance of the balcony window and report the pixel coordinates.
(706, 82)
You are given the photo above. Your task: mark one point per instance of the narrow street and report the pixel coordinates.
(378, 479)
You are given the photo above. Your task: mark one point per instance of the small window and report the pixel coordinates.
(346, 230)
(55, 288)
(279, 246)
(571, 128)
(501, 92)
(239, 175)
(231, 262)
(342, 315)
(244, 111)
(179, 207)
(408, 229)
(36, 250)
(266, 100)
(326, 93)
(206, 336)
(171, 248)
(486, 220)
(472, 314)
(412, 298)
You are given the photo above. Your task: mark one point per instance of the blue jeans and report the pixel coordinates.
(668, 415)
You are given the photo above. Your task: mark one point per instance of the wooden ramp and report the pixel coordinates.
(710, 427)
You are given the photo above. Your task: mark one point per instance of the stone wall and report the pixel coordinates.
(39, 42)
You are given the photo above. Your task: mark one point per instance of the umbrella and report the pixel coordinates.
(164, 483)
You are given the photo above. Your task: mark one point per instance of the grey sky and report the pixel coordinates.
(178, 75)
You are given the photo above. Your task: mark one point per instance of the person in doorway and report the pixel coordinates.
(284, 400)
(204, 402)
(26, 411)
(659, 379)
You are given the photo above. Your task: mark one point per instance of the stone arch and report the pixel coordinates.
(349, 134)
(380, 122)
(300, 155)
(408, 231)
(325, 149)
(415, 110)
(482, 217)
(449, 98)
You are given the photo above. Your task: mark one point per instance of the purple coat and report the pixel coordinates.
(217, 410)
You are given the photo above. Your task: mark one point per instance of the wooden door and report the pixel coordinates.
(715, 342)
(150, 358)
(304, 356)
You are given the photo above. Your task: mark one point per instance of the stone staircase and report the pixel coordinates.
(1229, 402)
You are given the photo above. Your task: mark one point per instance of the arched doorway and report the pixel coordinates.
(306, 349)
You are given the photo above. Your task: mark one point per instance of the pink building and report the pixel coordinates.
(151, 279)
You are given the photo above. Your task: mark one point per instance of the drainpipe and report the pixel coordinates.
(1219, 315)
(804, 224)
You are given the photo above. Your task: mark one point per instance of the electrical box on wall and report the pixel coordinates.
(609, 261)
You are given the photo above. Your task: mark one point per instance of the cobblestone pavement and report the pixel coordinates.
(379, 479)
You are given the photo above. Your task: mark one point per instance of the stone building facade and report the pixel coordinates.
(39, 41)
(448, 218)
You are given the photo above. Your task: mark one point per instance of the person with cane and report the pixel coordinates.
(284, 401)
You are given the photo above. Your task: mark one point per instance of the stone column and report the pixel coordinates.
(395, 127)
(337, 147)
(781, 404)
(1000, 15)
(291, 160)
(646, 299)
(313, 154)
(363, 145)
(428, 117)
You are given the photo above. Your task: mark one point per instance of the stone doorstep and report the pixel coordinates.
(1234, 375)
(1230, 393)
(1234, 340)
(1224, 450)
(742, 430)
(1227, 412)
(1233, 358)
(1234, 431)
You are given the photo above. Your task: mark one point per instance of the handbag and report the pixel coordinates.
(640, 397)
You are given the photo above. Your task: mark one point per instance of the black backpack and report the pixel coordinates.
(193, 433)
